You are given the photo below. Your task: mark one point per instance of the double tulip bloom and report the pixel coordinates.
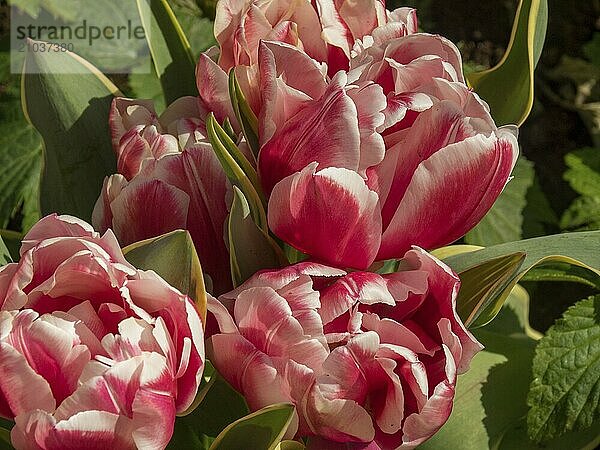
(92, 350)
(366, 358)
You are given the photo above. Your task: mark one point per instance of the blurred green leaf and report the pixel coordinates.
(584, 177)
(55, 7)
(145, 84)
(592, 49)
(20, 155)
(172, 256)
(4, 254)
(71, 113)
(562, 272)
(170, 50)
(503, 222)
(250, 248)
(262, 429)
(196, 26)
(490, 397)
(508, 87)
(220, 406)
(565, 391)
(579, 249)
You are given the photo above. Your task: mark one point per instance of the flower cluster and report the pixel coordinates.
(369, 146)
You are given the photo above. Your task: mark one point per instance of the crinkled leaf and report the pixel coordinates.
(170, 50)
(262, 429)
(250, 248)
(503, 222)
(584, 177)
(490, 397)
(580, 249)
(172, 256)
(565, 391)
(70, 110)
(508, 87)
(197, 28)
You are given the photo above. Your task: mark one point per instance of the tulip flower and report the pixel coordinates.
(93, 352)
(169, 178)
(397, 152)
(365, 358)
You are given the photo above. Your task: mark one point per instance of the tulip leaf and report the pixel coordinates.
(262, 429)
(508, 87)
(580, 249)
(5, 439)
(479, 284)
(565, 391)
(244, 114)
(172, 256)
(490, 397)
(67, 100)
(170, 49)
(250, 248)
(290, 445)
(233, 165)
(220, 406)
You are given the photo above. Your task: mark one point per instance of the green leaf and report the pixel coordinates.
(476, 302)
(197, 28)
(220, 406)
(20, 154)
(584, 177)
(172, 256)
(5, 257)
(565, 392)
(571, 248)
(244, 114)
(490, 397)
(238, 170)
(145, 84)
(562, 272)
(503, 222)
(170, 50)
(508, 87)
(262, 429)
(70, 110)
(250, 248)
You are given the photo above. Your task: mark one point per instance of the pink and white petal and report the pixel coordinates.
(450, 202)
(53, 226)
(265, 319)
(356, 287)
(418, 427)
(21, 388)
(102, 215)
(227, 21)
(213, 87)
(7, 274)
(325, 130)
(338, 419)
(443, 288)
(127, 113)
(335, 31)
(339, 209)
(134, 220)
(187, 107)
(370, 103)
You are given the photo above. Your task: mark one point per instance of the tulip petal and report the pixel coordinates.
(326, 130)
(341, 213)
(213, 86)
(169, 210)
(441, 205)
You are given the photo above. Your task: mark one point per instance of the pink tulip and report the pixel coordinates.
(92, 350)
(366, 358)
(159, 191)
(394, 153)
